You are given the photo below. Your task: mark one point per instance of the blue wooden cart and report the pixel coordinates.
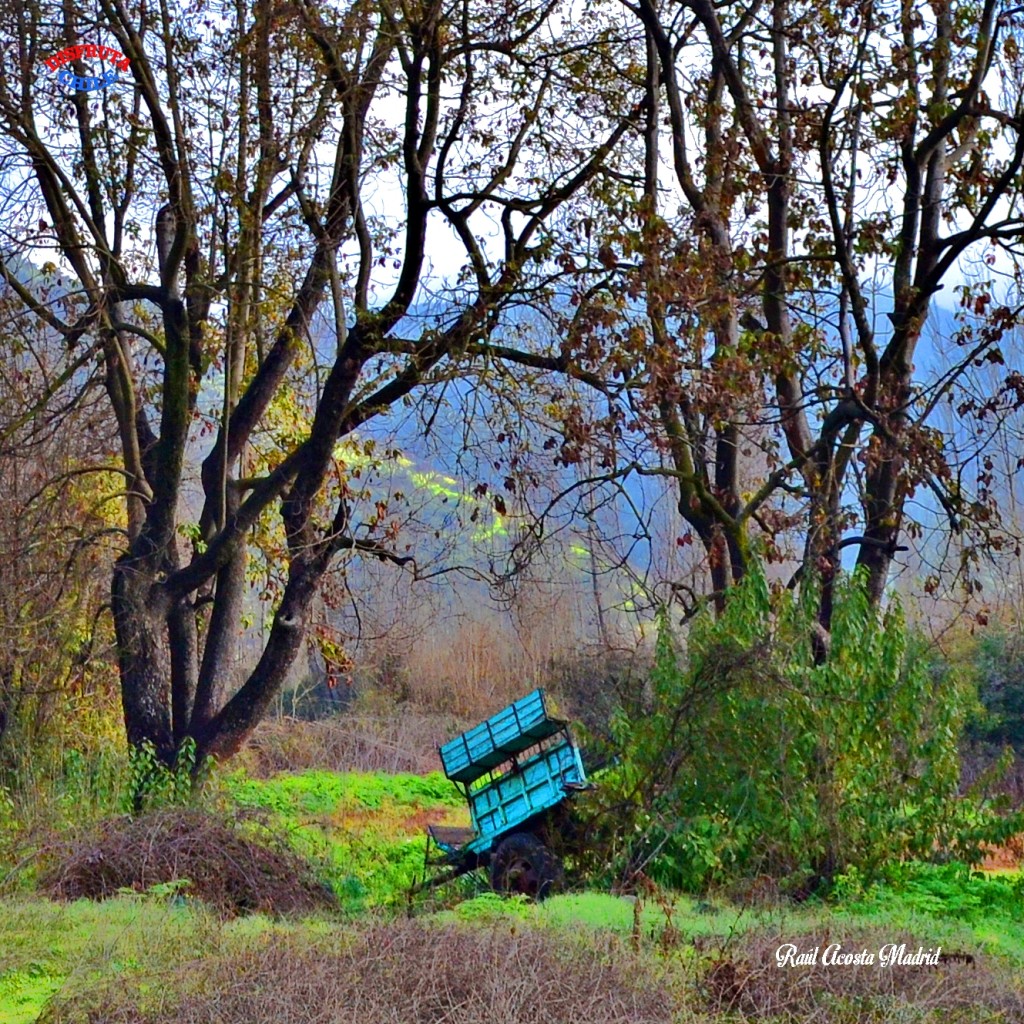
(518, 770)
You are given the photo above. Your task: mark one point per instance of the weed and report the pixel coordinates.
(50, 794)
(948, 890)
(45, 944)
(24, 993)
(491, 906)
(744, 982)
(595, 910)
(408, 971)
(152, 784)
(149, 961)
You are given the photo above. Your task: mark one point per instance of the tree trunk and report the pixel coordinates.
(144, 659)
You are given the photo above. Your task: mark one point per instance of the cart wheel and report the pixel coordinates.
(522, 863)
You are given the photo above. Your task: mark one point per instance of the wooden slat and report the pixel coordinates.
(450, 835)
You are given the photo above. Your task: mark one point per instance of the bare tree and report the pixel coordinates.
(765, 302)
(241, 226)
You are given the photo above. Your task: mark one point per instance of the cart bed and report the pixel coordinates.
(482, 748)
(528, 789)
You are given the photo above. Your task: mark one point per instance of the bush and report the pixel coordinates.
(949, 890)
(752, 757)
(999, 663)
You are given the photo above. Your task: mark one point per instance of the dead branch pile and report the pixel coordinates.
(224, 867)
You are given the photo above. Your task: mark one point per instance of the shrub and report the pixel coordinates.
(755, 757)
(999, 663)
(944, 890)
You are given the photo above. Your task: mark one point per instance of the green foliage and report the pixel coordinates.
(491, 906)
(595, 910)
(321, 792)
(151, 946)
(951, 890)
(70, 783)
(998, 661)
(96, 780)
(54, 791)
(45, 944)
(153, 784)
(753, 756)
(364, 832)
(24, 992)
(363, 867)
(173, 890)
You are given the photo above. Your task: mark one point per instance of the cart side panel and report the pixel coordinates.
(482, 748)
(535, 786)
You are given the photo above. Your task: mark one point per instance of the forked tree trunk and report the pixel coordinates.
(157, 665)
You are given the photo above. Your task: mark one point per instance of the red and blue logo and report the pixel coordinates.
(87, 83)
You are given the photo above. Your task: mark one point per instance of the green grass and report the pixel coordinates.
(365, 832)
(996, 932)
(49, 947)
(24, 992)
(47, 944)
(323, 793)
(985, 910)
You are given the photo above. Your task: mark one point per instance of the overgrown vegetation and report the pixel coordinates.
(413, 972)
(627, 297)
(366, 832)
(755, 754)
(946, 890)
(832, 770)
(588, 957)
(702, 960)
(746, 984)
(999, 664)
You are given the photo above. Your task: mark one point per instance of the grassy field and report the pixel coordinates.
(161, 955)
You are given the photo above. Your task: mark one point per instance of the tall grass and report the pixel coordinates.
(59, 790)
